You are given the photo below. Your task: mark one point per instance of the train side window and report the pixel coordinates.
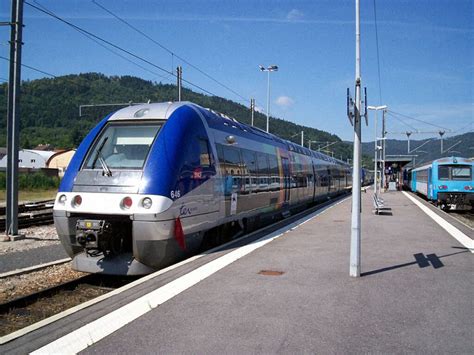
(272, 159)
(233, 169)
(250, 161)
(262, 162)
(204, 156)
(443, 172)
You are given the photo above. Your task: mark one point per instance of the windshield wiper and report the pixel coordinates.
(105, 168)
(98, 156)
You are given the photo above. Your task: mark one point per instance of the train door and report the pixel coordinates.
(315, 180)
(231, 166)
(330, 180)
(286, 180)
(429, 192)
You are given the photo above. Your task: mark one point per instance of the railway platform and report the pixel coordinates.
(290, 292)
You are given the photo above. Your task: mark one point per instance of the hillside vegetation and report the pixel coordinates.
(50, 109)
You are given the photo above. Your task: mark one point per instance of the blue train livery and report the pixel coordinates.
(448, 182)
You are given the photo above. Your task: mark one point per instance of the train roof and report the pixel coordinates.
(445, 161)
(162, 111)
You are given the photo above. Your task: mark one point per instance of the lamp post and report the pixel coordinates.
(408, 133)
(376, 108)
(268, 69)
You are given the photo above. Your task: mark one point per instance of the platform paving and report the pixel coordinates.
(414, 296)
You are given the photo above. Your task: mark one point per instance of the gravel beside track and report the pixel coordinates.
(17, 286)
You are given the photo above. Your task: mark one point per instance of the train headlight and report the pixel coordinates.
(442, 187)
(77, 201)
(469, 188)
(127, 202)
(147, 202)
(62, 199)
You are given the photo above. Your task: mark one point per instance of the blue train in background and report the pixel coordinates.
(448, 182)
(150, 184)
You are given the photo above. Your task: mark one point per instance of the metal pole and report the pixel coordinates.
(302, 138)
(268, 100)
(376, 154)
(13, 118)
(408, 137)
(383, 151)
(252, 110)
(179, 75)
(356, 183)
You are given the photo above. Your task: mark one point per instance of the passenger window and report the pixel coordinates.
(262, 163)
(204, 155)
(272, 159)
(233, 170)
(249, 161)
(443, 172)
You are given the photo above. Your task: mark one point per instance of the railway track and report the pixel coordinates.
(465, 217)
(28, 309)
(31, 214)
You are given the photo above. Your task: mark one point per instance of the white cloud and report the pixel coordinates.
(294, 15)
(284, 101)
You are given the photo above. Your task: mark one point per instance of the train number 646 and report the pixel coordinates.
(175, 194)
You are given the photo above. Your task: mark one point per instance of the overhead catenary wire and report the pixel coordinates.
(402, 121)
(32, 68)
(79, 29)
(418, 120)
(110, 49)
(173, 54)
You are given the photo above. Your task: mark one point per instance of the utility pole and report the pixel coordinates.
(13, 119)
(376, 109)
(252, 110)
(355, 253)
(302, 138)
(383, 149)
(179, 78)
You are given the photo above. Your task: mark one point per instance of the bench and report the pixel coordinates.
(378, 204)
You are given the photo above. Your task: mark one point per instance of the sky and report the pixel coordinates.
(425, 51)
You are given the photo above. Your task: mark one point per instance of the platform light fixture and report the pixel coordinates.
(268, 69)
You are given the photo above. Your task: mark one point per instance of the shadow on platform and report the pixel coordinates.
(421, 260)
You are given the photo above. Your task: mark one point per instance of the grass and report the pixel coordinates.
(32, 195)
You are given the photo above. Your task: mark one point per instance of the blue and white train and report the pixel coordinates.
(151, 183)
(448, 182)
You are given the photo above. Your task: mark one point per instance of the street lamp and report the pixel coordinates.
(268, 70)
(376, 108)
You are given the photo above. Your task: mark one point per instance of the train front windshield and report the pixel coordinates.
(122, 146)
(454, 172)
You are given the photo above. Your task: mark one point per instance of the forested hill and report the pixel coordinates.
(50, 109)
